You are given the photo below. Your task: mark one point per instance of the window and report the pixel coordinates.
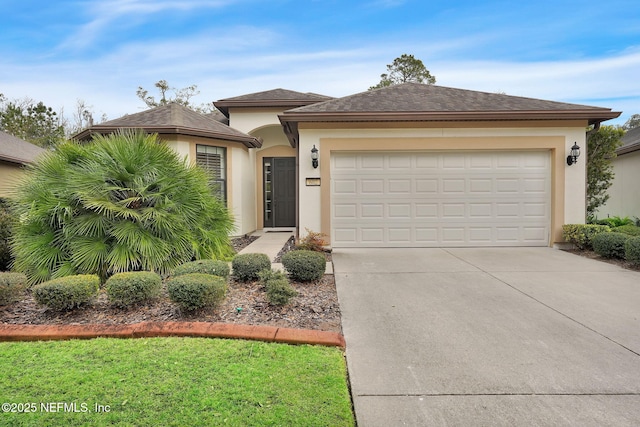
(214, 160)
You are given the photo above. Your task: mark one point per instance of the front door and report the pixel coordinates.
(279, 191)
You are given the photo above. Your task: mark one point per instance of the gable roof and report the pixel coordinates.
(270, 98)
(630, 142)
(422, 102)
(16, 150)
(173, 119)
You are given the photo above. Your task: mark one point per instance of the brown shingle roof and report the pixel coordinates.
(421, 102)
(16, 150)
(630, 142)
(270, 98)
(173, 119)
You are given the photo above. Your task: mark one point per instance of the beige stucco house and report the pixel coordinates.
(14, 155)
(624, 193)
(410, 165)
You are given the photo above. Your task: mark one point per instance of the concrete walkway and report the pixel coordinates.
(489, 337)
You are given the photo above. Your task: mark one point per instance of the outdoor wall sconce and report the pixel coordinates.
(314, 157)
(575, 153)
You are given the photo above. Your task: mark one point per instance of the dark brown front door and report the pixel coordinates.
(279, 191)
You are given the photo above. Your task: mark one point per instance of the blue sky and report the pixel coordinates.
(100, 51)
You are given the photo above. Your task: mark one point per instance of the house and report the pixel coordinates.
(624, 193)
(14, 155)
(409, 165)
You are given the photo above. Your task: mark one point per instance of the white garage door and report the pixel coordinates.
(440, 199)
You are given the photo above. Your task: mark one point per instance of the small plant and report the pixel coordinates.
(196, 290)
(205, 266)
(129, 288)
(279, 291)
(632, 250)
(312, 241)
(12, 285)
(610, 245)
(631, 230)
(247, 266)
(304, 266)
(66, 293)
(614, 221)
(581, 234)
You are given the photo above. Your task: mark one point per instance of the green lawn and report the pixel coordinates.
(173, 382)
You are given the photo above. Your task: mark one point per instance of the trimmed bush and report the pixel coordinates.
(631, 230)
(196, 290)
(581, 234)
(247, 266)
(204, 266)
(609, 245)
(632, 250)
(279, 291)
(12, 285)
(304, 266)
(67, 292)
(129, 288)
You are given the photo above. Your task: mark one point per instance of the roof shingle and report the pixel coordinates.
(16, 150)
(270, 98)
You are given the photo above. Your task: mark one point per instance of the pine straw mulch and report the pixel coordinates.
(315, 307)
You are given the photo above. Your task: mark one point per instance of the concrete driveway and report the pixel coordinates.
(486, 337)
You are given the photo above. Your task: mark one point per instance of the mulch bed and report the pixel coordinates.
(315, 307)
(592, 255)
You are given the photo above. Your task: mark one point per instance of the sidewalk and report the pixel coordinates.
(271, 243)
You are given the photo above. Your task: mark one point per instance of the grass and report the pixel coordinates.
(174, 382)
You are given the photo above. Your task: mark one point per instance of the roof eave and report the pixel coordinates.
(631, 148)
(249, 142)
(223, 105)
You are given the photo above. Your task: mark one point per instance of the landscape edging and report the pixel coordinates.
(12, 332)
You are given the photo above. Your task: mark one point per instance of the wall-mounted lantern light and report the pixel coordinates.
(575, 153)
(314, 157)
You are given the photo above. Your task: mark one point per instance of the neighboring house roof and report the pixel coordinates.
(422, 102)
(173, 119)
(630, 142)
(16, 150)
(270, 98)
(218, 116)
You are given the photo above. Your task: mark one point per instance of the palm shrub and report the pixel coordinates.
(304, 266)
(123, 202)
(133, 287)
(609, 245)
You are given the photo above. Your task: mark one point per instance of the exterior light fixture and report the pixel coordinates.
(575, 153)
(314, 157)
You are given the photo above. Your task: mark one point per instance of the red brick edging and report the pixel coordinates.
(10, 332)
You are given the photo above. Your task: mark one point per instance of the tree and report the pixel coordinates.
(31, 121)
(632, 123)
(180, 96)
(601, 148)
(405, 69)
(123, 202)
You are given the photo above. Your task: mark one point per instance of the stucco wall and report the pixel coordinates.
(248, 120)
(568, 183)
(624, 193)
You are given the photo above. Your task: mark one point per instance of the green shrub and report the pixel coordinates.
(205, 266)
(247, 266)
(304, 266)
(614, 221)
(129, 288)
(12, 285)
(196, 290)
(581, 234)
(5, 236)
(67, 292)
(609, 245)
(632, 250)
(631, 230)
(279, 291)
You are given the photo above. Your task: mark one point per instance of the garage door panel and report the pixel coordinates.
(440, 199)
